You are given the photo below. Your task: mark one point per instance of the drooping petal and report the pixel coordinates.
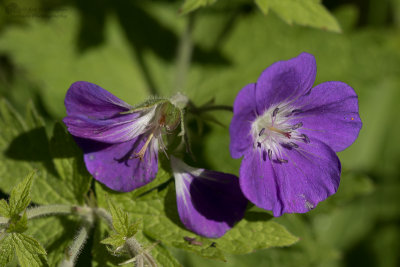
(116, 166)
(209, 203)
(311, 174)
(120, 128)
(85, 98)
(286, 80)
(330, 114)
(244, 112)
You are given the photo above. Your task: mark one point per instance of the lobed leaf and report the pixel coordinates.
(157, 209)
(18, 224)
(256, 231)
(29, 251)
(6, 249)
(4, 208)
(191, 5)
(120, 219)
(304, 12)
(20, 195)
(25, 146)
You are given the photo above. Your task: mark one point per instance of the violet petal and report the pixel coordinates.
(285, 81)
(93, 101)
(120, 128)
(209, 203)
(116, 166)
(244, 113)
(311, 174)
(330, 113)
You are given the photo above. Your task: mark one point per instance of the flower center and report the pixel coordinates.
(275, 130)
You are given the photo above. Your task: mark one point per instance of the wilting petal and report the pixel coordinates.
(84, 98)
(209, 202)
(311, 174)
(120, 128)
(286, 80)
(116, 166)
(330, 113)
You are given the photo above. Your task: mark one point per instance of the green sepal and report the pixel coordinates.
(170, 116)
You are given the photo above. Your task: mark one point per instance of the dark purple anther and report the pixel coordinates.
(275, 112)
(261, 132)
(297, 126)
(305, 138)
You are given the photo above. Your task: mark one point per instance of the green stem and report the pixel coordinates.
(3, 220)
(49, 210)
(211, 108)
(79, 241)
(184, 54)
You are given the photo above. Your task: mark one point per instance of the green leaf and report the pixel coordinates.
(67, 158)
(191, 5)
(25, 146)
(55, 233)
(29, 252)
(6, 249)
(256, 231)
(120, 219)
(304, 12)
(20, 195)
(116, 240)
(18, 224)
(4, 209)
(157, 209)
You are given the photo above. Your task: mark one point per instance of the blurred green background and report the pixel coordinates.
(130, 48)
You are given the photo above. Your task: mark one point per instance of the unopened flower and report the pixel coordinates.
(209, 202)
(288, 133)
(120, 142)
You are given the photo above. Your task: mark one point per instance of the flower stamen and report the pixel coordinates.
(142, 151)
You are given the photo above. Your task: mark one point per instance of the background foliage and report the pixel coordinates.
(129, 48)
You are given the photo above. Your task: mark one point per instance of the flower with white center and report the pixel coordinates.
(288, 133)
(120, 142)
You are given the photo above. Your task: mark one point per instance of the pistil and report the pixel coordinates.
(287, 134)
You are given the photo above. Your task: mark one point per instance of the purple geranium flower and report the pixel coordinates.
(288, 133)
(209, 203)
(120, 143)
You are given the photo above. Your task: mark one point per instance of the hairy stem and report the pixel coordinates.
(49, 210)
(184, 54)
(79, 241)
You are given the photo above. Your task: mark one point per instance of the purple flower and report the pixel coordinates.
(288, 133)
(120, 143)
(209, 203)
